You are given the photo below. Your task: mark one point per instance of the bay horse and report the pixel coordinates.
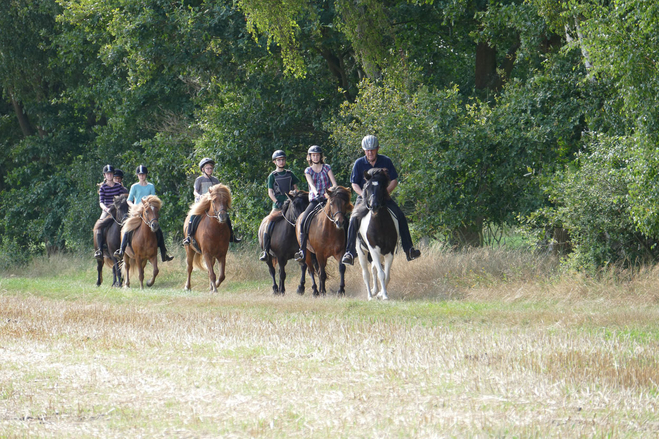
(112, 236)
(327, 237)
(378, 232)
(283, 242)
(212, 234)
(143, 222)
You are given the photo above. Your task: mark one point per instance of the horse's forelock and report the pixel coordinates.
(222, 192)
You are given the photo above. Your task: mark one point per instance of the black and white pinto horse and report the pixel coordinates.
(378, 233)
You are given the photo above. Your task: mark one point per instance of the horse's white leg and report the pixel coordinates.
(380, 274)
(388, 262)
(363, 262)
(154, 263)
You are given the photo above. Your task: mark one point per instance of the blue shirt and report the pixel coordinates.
(361, 165)
(137, 192)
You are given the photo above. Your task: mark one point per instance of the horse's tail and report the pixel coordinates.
(199, 262)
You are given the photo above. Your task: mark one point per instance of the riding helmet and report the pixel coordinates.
(119, 173)
(315, 149)
(206, 161)
(141, 169)
(278, 154)
(370, 142)
(108, 168)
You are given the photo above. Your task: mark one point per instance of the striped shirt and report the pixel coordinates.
(106, 193)
(320, 179)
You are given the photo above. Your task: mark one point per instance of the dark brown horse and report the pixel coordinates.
(283, 242)
(112, 237)
(327, 236)
(212, 234)
(143, 222)
(378, 233)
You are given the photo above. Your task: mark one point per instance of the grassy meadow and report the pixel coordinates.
(481, 343)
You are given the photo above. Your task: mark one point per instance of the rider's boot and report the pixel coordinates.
(161, 244)
(266, 247)
(232, 236)
(119, 254)
(412, 254)
(301, 254)
(98, 253)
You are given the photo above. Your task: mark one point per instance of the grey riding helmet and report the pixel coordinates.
(206, 161)
(278, 154)
(370, 142)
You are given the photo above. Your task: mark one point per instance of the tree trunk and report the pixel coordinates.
(486, 66)
(23, 121)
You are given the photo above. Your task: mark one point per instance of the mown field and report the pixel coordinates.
(475, 344)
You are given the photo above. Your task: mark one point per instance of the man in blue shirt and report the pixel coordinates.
(370, 160)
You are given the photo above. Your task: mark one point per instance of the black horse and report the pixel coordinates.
(378, 232)
(283, 241)
(112, 239)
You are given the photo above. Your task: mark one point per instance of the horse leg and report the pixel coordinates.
(99, 268)
(312, 273)
(282, 277)
(342, 273)
(210, 261)
(140, 271)
(271, 268)
(388, 262)
(300, 287)
(363, 262)
(322, 263)
(222, 263)
(127, 270)
(190, 259)
(382, 294)
(154, 263)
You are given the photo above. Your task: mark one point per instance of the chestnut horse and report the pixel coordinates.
(283, 242)
(118, 212)
(378, 232)
(143, 222)
(327, 237)
(212, 234)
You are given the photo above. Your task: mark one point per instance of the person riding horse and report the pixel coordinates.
(372, 159)
(106, 193)
(201, 186)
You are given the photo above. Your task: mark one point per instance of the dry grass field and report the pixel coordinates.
(482, 343)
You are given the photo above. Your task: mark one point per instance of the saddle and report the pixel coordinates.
(307, 221)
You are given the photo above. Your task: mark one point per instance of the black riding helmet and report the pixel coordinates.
(206, 161)
(315, 149)
(119, 173)
(141, 169)
(278, 154)
(108, 168)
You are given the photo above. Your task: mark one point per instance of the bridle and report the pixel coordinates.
(148, 223)
(334, 215)
(217, 213)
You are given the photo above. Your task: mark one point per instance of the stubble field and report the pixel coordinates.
(474, 344)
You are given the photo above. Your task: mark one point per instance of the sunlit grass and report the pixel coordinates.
(478, 343)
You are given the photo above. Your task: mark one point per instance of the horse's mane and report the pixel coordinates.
(286, 208)
(135, 216)
(219, 190)
(343, 193)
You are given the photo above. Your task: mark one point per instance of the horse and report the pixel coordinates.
(143, 222)
(378, 232)
(283, 242)
(112, 236)
(212, 234)
(327, 237)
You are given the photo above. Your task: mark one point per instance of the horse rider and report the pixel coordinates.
(200, 188)
(139, 190)
(280, 182)
(372, 159)
(107, 190)
(320, 177)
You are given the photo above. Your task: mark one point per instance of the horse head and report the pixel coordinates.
(297, 203)
(338, 205)
(120, 204)
(220, 202)
(375, 192)
(151, 212)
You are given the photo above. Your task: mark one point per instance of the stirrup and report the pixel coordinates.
(98, 254)
(118, 254)
(348, 259)
(264, 256)
(299, 256)
(186, 241)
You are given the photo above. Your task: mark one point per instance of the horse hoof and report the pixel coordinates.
(300, 291)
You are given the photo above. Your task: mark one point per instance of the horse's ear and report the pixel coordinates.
(291, 195)
(367, 176)
(329, 191)
(144, 203)
(385, 171)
